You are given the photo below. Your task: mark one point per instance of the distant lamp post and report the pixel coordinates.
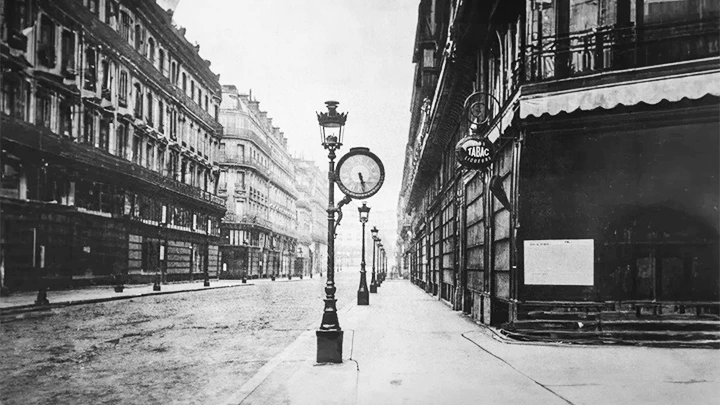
(302, 261)
(380, 267)
(330, 335)
(373, 281)
(363, 296)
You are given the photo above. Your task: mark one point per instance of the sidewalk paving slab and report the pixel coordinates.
(406, 347)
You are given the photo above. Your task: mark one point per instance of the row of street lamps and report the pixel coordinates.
(363, 296)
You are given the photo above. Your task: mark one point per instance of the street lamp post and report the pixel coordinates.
(383, 274)
(363, 297)
(373, 281)
(330, 335)
(380, 269)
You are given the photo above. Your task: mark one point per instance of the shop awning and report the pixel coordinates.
(692, 85)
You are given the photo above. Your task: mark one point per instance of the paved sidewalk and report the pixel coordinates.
(408, 348)
(26, 299)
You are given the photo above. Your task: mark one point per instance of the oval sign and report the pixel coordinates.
(474, 152)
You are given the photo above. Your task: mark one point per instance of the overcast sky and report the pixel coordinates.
(297, 54)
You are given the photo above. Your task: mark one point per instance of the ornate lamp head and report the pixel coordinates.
(332, 124)
(364, 212)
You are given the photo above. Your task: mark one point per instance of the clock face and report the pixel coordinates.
(360, 173)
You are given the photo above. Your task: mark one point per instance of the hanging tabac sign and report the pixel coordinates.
(474, 152)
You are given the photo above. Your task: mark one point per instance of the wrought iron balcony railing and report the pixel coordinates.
(620, 47)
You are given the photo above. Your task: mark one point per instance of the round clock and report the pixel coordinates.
(360, 173)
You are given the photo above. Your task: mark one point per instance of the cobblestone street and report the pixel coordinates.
(185, 348)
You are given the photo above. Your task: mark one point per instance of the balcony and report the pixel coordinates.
(611, 48)
(89, 159)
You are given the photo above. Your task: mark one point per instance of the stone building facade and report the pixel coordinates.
(602, 192)
(257, 178)
(312, 215)
(109, 146)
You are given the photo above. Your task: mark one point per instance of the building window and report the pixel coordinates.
(125, 24)
(199, 101)
(89, 127)
(173, 124)
(105, 134)
(173, 72)
(68, 54)
(184, 83)
(173, 164)
(111, 12)
(11, 173)
(66, 118)
(192, 89)
(206, 104)
(161, 61)
(138, 101)
(121, 139)
(151, 50)
(123, 89)
(150, 155)
(43, 109)
(46, 44)
(136, 150)
(150, 108)
(87, 195)
(161, 117)
(90, 69)
(105, 67)
(94, 6)
(139, 38)
(18, 15)
(160, 158)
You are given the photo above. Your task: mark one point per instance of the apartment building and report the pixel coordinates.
(109, 146)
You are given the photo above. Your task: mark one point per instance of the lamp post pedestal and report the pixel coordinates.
(329, 346)
(363, 296)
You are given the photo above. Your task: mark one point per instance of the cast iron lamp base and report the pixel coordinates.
(363, 297)
(373, 288)
(329, 346)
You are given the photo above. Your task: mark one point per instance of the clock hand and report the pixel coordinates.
(362, 182)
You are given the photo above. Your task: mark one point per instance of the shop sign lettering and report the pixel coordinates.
(474, 153)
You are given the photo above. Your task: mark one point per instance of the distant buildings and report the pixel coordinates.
(109, 146)
(312, 202)
(257, 179)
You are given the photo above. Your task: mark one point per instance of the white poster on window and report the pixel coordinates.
(559, 262)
